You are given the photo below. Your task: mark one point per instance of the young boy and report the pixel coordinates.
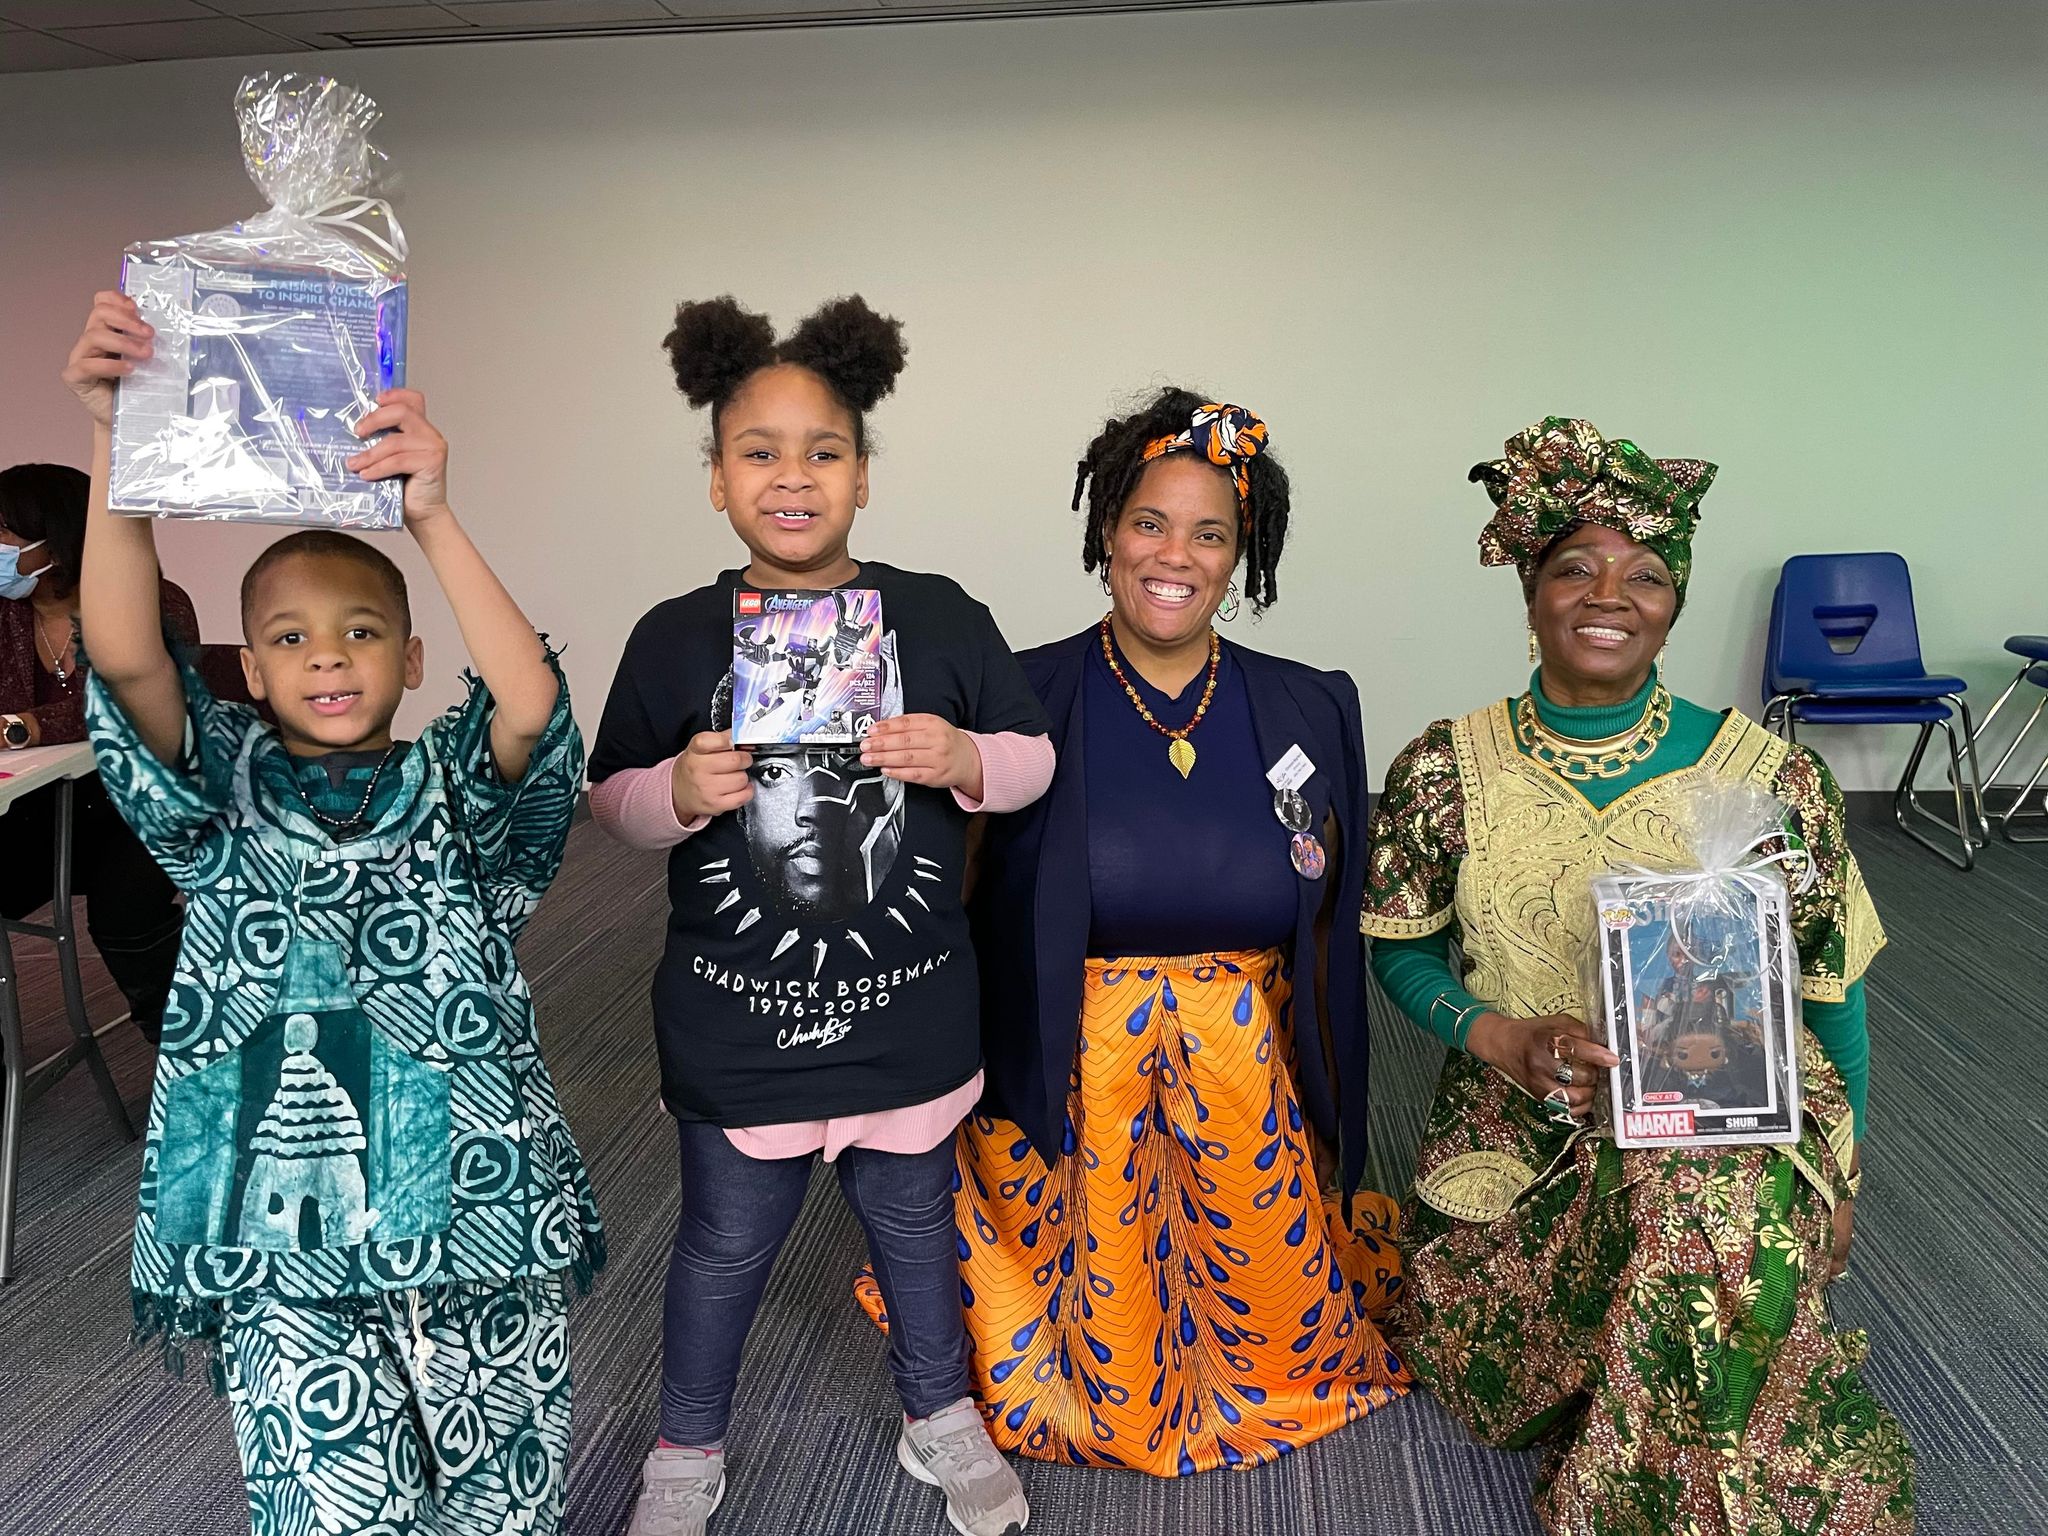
(358, 1184)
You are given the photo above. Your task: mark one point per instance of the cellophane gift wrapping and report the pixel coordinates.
(1695, 974)
(274, 336)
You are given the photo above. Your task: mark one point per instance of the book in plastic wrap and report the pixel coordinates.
(807, 668)
(1700, 993)
(274, 336)
(247, 410)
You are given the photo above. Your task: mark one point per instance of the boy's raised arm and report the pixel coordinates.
(507, 653)
(120, 615)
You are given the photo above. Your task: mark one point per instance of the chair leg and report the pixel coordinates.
(61, 920)
(1906, 806)
(2013, 749)
(2035, 823)
(10, 1127)
(1969, 754)
(2015, 812)
(1779, 707)
(1999, 703)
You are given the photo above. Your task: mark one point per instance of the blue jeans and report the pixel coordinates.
(736, 1212)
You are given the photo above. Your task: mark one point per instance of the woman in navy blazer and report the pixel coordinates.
(1157, 1275)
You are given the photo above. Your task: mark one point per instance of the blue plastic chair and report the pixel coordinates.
(2033, 653)
(1844, 649)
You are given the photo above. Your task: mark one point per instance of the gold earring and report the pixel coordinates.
(1662, 652)
(1535, 651)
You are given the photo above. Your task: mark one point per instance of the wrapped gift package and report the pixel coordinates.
(1695, 975)
(275, 336)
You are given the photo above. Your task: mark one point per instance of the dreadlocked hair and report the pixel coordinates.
(1108, 475)
(716, 346)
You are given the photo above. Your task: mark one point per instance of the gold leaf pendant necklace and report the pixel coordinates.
(1179, 750)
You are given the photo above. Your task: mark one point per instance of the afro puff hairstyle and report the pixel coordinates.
(1110, 470)
(716, 346)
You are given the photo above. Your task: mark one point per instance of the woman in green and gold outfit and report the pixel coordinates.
(1656, 1318)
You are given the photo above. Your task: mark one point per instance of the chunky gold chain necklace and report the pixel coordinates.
(1581, 761)
(1179, 751)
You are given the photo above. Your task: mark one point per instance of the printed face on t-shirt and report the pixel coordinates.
(821, 831)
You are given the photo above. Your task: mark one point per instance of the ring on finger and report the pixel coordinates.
(1564, 1073)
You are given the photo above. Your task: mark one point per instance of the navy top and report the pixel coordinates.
(1031, 903)
(1180, 866)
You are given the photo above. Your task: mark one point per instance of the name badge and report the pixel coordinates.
(1292, 771)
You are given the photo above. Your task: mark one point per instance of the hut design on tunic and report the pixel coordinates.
(306, 1187)
(351, 1140)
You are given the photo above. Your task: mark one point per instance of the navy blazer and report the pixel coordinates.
(1030, 911)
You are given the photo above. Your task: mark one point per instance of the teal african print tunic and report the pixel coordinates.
(349, 1095)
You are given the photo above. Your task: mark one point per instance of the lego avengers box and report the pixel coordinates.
(807, 667)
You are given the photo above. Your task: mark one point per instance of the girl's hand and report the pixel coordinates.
(923, 749)
(116, 338)
(710, 777)
(413, 449)
(1522, 1049)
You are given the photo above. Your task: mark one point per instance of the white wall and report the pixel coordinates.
(1803, 241)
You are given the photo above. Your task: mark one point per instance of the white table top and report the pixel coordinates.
(32, 767)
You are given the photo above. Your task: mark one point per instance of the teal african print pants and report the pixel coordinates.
(438, 1413)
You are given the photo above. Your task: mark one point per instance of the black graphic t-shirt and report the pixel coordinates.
(817, 962)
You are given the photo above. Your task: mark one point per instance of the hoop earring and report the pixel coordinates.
(1230, 607)
(1105, 577)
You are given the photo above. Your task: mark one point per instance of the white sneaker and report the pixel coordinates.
(680, 1490)
(951, 1450)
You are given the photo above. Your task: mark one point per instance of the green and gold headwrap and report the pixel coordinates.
(1562, 471)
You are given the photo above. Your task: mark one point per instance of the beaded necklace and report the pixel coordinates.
(1179, 751)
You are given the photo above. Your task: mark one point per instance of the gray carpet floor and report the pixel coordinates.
(1951, 1265)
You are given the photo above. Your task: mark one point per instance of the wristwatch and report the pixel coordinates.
(14, 731)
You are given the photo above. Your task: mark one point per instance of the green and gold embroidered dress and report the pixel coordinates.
(1656, 1319)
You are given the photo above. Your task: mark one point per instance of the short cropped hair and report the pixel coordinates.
(326, 544)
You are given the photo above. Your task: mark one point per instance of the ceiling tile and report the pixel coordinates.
(557, 13)
(95, 13)
(218, 38)
(704, 10)
(265, 8)
(99, 13)
(327, 23)
(32, 50)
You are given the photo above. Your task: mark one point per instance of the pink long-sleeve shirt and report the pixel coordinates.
(637, 806)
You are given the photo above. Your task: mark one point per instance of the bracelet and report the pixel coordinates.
(1461, 1026)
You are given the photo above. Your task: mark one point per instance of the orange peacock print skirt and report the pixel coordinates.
(1176, 1293)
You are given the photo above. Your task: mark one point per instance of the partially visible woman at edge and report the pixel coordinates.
(131, 907)
(1173, 995)
(1656, 1319)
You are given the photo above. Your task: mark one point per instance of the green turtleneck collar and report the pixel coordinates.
(1594, 722)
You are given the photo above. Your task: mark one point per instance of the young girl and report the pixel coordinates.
(818, 993)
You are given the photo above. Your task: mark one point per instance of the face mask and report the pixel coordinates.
(13, 583)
